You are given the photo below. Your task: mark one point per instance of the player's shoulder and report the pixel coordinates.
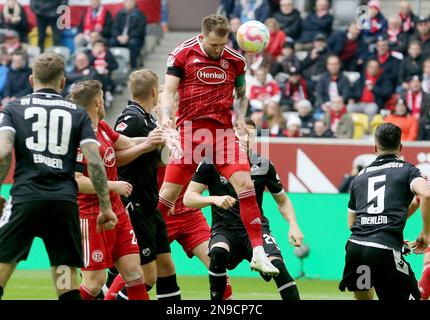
(233, 54)
(186, 46)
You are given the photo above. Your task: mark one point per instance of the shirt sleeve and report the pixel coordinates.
(87, 132)
(351, 204)
(241, 67)
(114, 136)
(130, 126)
(6, 120)
(202, 173)
(414, 175)
(273, 182)
(176, 62)
(81, 163)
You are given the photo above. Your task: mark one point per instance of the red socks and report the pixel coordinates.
(228, 293)
(136, 290)
(117, 284)
(86, 294)
(251, 216)
(424, 283)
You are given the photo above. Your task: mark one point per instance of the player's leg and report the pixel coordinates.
(218, 270)
(286, 285)
(364, 295)
(6, 270)
(251, 218)
(167, 285)
(92, 283)
(131, 272)
(424, 283)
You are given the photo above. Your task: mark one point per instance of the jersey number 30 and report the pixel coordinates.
(379, 194)
(58, 118)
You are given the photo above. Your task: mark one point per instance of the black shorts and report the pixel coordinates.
(150, 230)
(240, 245)
(55, 222)
(384, 269)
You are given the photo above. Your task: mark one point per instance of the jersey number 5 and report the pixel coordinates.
(373, 193)
(57, 119)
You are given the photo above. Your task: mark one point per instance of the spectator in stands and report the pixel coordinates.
(295, 90)
(423, 35)
(370, 91)
(247, 10)
(13, 17)
(4, 71)
(349, 46)
(306, 116)
(234, 26)
(403, 119)
(12, 44)
(96, 18)
(17, 84)
(294, 125)
(397, 39)
(387, 62)
(227, 7)
(277, 39)
(345, 185)
(272, 119)
(318, 21)
(286, 60)
(408, 18)
(424, 127)
(129, 30)
(289, 19)
(263, 91)
(411, 65)
(315, 62)
(416, 100)
(339, 120)
(82, 70)
(274, 6)
(426, 76)
(378, 23)
(321, 130)
(46, 15)
(333, 83)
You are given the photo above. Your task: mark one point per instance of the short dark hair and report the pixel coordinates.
(48, 68)
(388, 137)
(85, 92)
(215, 23)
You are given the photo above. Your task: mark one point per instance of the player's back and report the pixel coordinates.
(380, 197)
(206, 85)
(48, 130)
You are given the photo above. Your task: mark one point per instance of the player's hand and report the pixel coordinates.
(295, 236)
(224, 202)
(420, 245)
(123, 188)
(2, 205)
(106, 220)
(156, 137)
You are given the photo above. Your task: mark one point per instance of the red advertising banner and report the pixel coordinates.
(319, 165)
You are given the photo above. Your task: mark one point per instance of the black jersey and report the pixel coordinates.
(48, 131)
(134, 121)
(263, 174)
(380, 197)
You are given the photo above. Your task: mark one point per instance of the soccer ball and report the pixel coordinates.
(253, 36)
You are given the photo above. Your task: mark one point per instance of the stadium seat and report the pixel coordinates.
(301, 55)
(376, 121)
(352, 76)
(344, 11)
(62, 51)
(33, 52)
(361, 124)
(122, 56)
(33, 36)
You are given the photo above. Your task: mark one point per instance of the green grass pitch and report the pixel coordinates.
(37, 285)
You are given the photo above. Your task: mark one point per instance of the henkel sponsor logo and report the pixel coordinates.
(211, 75)
(109, 158)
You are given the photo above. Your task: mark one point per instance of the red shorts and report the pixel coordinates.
(206, 139)
(102, 250)
(189, 230)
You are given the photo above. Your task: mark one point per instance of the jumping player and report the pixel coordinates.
(229, 243)
(46, 130)
(378, 208)
(205, 72)
(116, 247)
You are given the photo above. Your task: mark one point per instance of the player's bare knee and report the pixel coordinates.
(243, 184)
(132, 274)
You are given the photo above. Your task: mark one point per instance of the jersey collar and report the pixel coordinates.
(387, 156)
(48, 91)
(132, 103)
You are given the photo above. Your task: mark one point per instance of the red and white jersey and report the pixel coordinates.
(207, 85)
(89, 203)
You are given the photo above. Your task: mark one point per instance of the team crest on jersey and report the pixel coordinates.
(255, 169)
(224, 64)
(97, 256)
(170, 61)
(79, 155)
(211, 75)
(121, 126)
(223, 180)
(109, 158)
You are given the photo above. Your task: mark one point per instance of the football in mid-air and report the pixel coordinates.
(253, 36)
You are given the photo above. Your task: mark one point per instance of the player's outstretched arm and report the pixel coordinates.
(193, 198)
(85, 186)
(7, 141)
(286, 209)
(107, 218)
(241, 104)
(167, 100)
(421, 188)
